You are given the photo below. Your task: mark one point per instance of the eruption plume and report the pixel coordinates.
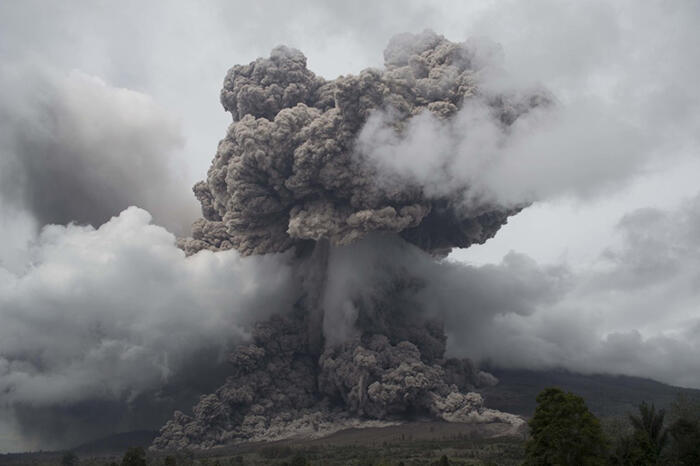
(358, 346)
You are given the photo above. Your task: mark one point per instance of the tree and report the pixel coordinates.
(634, 450)
(564, 432)
(685, 407)
(135, 456)
(644, 446)
(649, 431)
(684, 429)
(686, 441)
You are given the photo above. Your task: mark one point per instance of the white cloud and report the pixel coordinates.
(635, 311)
(115, 312)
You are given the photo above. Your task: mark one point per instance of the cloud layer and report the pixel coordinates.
(632, 312)
(110, 314)
(75, 149)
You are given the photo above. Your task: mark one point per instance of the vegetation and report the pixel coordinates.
(564, 432)
(685, 431)
(606, 395)
(686, 442)
(646, 443)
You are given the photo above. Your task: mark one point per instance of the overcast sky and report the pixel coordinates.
(122, 99)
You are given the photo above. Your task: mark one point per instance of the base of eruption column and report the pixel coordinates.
(280, 388)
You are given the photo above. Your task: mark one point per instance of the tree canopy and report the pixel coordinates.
(564, 432)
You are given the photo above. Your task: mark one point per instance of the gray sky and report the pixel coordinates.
(120, 99)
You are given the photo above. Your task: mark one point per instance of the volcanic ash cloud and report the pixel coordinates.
(292, 172)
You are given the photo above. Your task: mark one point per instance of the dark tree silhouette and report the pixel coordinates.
(685, 434)
(634, 450)
(645, 445)
(649, 429)
(564, 432)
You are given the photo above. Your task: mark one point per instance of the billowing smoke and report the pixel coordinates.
(112, 328)
(383, 357)
(290, 169)
(365, 341)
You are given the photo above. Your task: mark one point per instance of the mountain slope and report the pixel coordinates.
(605, 395)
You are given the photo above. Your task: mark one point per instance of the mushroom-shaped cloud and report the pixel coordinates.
(290, 169)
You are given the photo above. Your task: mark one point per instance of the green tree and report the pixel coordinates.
(634, 450)
(564, 432)
(644, 446)
(135, 456)
(684, 430)
(684, 407)
(685, 435)
(649, 429)
(170, 461)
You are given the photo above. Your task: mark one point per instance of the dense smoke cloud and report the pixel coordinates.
(347, 171)
(74, 149)
(624, 81)
(544, 154)
(463, 296)
(586, 144)
(289, 170)
(383, 358)
(117, 319)
(359, 345)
